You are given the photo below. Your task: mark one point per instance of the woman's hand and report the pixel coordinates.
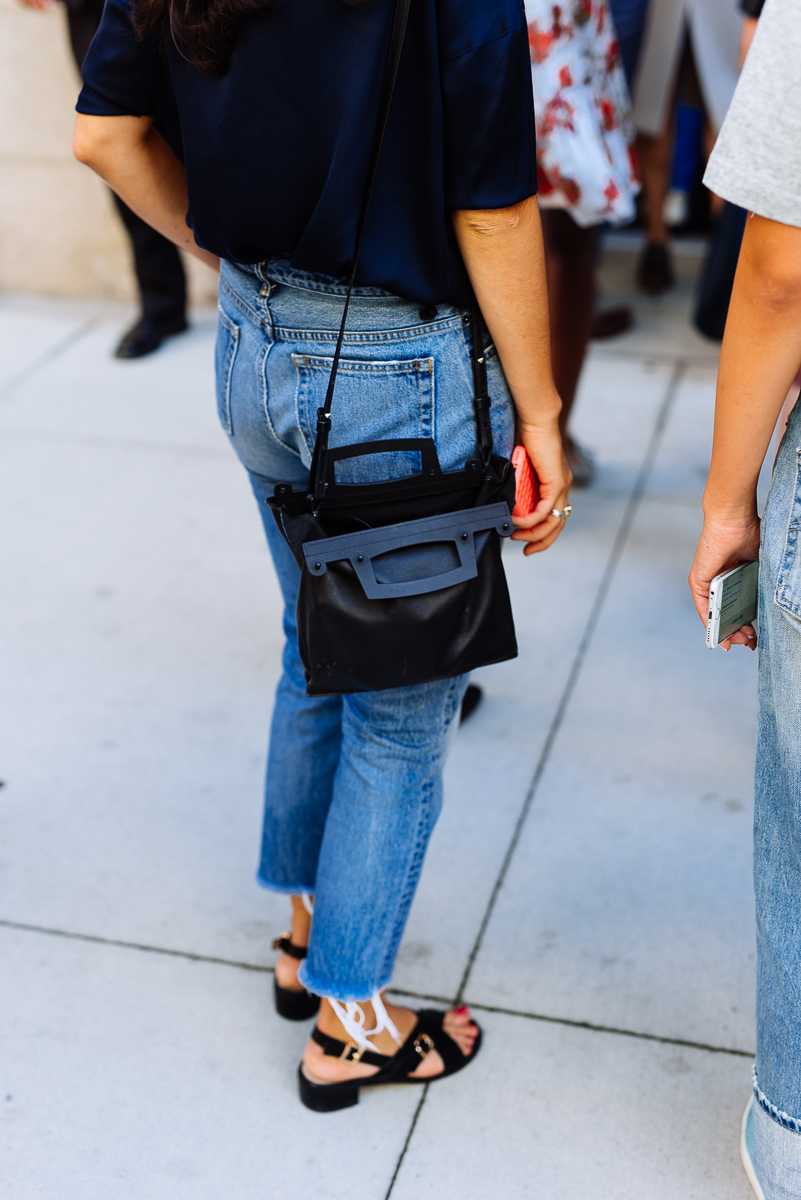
(544, 446)
(502, 250)
(723, 545)
(760, 355)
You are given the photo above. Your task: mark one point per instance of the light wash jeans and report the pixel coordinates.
(777, 833)
(354, 783)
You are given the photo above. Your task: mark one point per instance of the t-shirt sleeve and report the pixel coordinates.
(756, 162)
(490, 140)
(114, 71)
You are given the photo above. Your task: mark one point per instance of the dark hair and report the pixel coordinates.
(203, 31)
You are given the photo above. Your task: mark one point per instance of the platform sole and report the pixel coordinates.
(327, 1097)
(295, 1006)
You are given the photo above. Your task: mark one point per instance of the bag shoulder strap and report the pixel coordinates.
(399, 21)
(478, 361)
(318, 469)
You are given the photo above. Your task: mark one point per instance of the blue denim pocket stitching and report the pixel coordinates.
(391, 368)
(783, 594)
(359, 338)
(225, 371)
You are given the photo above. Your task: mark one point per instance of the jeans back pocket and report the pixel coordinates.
(373, 400)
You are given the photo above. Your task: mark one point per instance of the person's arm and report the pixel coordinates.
(140, 167)
(759, 359)
(747, 31)
(502, 250)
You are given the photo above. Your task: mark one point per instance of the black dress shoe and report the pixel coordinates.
(655, 270)
(470, 702)
(146, 336)
(611, 322)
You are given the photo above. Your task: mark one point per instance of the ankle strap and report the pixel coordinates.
(347, 1051)
(284, 943)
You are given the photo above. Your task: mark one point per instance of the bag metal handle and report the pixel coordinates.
(362, 547)
(425, 447)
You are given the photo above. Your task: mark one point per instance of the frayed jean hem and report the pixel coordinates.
(781, 1118)
(335, 991)
(284, 889)
(775, 1149)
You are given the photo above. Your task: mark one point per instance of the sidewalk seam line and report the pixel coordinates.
(262, 969)
(616, 553)
(108, 443)
(591, 1026)
(99, 940)
(49, 356)
(412, 1127)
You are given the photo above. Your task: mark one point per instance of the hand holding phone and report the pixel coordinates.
(733, 602)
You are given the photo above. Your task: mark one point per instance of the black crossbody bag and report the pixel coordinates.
(402, 581)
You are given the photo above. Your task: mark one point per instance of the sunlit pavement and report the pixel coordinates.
(587, 890)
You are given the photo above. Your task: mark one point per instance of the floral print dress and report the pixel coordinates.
(585, 135)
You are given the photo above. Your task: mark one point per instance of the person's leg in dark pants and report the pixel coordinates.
(162, 285)
(570, 253)
(83, 18)
(157, 262)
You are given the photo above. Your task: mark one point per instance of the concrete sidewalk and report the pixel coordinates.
(587, 889)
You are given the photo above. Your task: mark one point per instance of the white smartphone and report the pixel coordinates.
(732, 602)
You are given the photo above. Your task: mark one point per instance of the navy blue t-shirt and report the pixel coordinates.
(276, 149)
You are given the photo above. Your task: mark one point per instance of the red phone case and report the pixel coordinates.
(527, 487)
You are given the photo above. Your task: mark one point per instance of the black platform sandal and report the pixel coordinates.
(427, 1035)
(289, 1003)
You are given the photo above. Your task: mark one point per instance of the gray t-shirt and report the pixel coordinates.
(756, 162)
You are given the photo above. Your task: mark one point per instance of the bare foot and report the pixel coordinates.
(287, 967)
(321, 1068)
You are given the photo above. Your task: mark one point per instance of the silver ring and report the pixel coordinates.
(562, 513)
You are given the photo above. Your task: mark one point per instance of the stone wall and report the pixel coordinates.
(59, 234)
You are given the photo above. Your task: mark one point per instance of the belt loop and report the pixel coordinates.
(266, 290)
(265, 281)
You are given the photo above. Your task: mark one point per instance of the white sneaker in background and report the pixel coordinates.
(676, 208)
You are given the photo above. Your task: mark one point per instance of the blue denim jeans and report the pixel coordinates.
(777, 833)
(354, 783)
